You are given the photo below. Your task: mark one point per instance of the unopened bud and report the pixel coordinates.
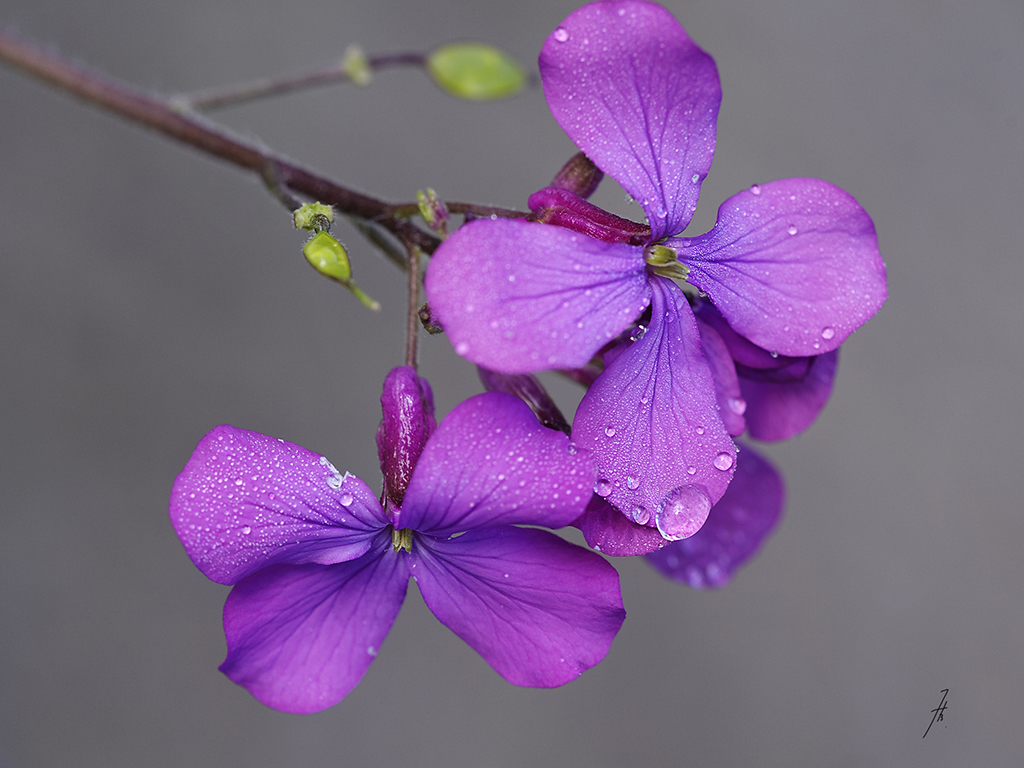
(327, 256)
(356, 66)
(429, 320)
(475, 71)
(433, 210)
(580, 176)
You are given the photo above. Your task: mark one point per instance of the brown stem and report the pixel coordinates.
(216, 99)
(157, 113)
(412, 320)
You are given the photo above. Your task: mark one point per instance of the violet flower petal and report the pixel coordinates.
(245, 501)
(731, 405)
(794, 267)
(779, 410)
(663, 455)
(539, 610)
(634, 92)
(743, 351)
(491, 463)
(738, 526)
(300, 637)
(518, 297)
(611, 533)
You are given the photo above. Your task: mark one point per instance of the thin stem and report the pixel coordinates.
(157, 113)
(412, 319)
(480, 211)
(336, 73)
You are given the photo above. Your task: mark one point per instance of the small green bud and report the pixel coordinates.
(327, 256)
(433, 210)
(356, 66)
(313, 217)
(476, 71)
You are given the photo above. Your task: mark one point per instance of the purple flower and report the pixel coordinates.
(321, 568)
(775, 397)
(793, 266)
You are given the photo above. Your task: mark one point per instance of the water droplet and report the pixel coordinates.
(629, 199)
(638, 333)
(371, 651)
(791, 229)
(773, 353)
(609, 431)
(723, 461)
(246, 530)
(561, 34)
(239, 480)
(700, 430)
(334, 481)
(828, 332)
(737, 405)
(461, 348)
(695, 178)
(603, 488)
(640, 515)
(691, 470)
(573, 450)
(632, 482)
(683, 512)
(345, 500)
(755, 189)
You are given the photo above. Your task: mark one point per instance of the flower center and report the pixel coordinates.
(665, 262)
(402, 539)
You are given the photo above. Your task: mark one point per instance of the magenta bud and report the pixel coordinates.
(579, 176)
(528, 389)
(563, 208)
(407, 403)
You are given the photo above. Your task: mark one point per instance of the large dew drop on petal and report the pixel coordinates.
(683, 512)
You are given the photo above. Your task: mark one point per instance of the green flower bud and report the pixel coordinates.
(475, 71)
(355, 65)
(327, 256)
(433, 210)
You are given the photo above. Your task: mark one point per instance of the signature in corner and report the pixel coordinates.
(937, 712)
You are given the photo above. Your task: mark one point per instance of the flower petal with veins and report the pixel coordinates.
(541, 611)
(519, 297)
(245, 501)
(651, 419)
(794, 268)
(633, 91)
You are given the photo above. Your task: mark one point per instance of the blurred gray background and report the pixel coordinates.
(148, 293)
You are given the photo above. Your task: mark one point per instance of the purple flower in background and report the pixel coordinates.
(321, 568)
(775, 397)
(793, 266)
